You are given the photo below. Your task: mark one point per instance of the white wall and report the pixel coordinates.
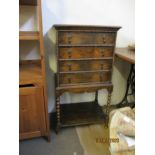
(93, 12)
(89, 12)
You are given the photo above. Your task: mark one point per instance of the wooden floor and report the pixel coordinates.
(89, 135)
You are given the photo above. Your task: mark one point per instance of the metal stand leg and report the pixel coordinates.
(130, 83)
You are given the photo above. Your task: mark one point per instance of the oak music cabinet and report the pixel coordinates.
(84, 64)
(33, 108)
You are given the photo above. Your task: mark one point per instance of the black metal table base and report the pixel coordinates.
(130, 87)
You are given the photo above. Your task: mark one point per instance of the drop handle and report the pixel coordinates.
(103, 40)
(69, 67)
(69, 80)
(69, 54)
(102, 53)
(70, 38)
(102, 66)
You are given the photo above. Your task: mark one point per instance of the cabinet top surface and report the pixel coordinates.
(28, 2)
(69, 27)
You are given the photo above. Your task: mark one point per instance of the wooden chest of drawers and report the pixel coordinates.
(84, 60)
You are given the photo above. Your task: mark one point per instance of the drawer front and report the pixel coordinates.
(84, 78)
(85, 52)
(86, 38)
(83, 65)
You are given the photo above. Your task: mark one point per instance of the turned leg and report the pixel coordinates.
(58, 113)
(108, 109)
(96, 97)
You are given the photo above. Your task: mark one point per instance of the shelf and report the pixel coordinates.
(28, 35)
(28, 2)
(91, 71)
(81, 114)
(30, 72)
(86, 45)
(86, 86)
(79, 59)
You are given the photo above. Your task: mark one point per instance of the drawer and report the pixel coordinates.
(77, 38)
(94, 77)
(85, 52)
(84, 65)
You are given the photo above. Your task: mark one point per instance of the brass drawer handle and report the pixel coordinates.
(69, 67)
(103, 40)
(69, 54)
(69, 80)
(102, 54)
(70, 38)
(102, 66)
